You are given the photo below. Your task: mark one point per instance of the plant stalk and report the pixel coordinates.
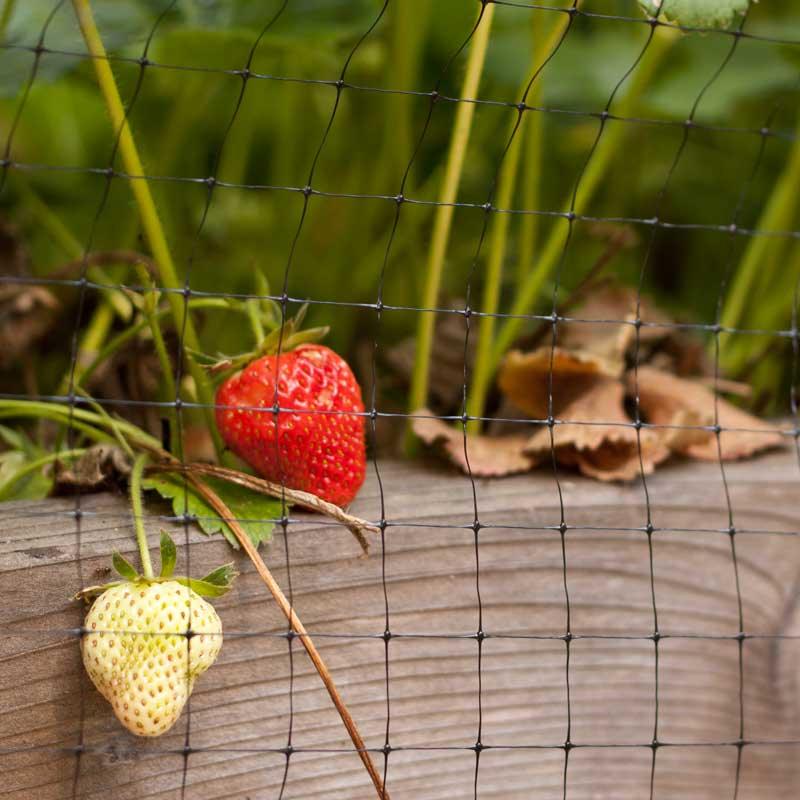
(482, 373)
(5, 17)
(531, 194)
(149, 311)
(138, 515)
(457, 152)
(147, 211)
(778, 215)
(83, 420)
(604, 155)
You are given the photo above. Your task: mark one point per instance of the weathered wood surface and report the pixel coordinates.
(240, 709)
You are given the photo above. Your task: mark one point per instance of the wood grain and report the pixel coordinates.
(239, 718)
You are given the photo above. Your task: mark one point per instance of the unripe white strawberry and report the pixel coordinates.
(696, 13)
(144, 646)
(147, 639)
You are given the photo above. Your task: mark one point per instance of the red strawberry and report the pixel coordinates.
(320, 450)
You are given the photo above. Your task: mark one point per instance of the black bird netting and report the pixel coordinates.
(488, 204)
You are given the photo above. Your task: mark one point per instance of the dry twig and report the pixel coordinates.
(355, 525)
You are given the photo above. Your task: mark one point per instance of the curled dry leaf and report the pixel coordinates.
(447, 357)
(668, 400)
(609, 332)
(595, 434)
(26, 314)
(525, 378)
(100, 467)
(489, 456)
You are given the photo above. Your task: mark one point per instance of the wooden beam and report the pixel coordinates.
(239, 716)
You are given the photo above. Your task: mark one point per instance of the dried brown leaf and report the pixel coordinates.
(525, 378)
(447, 357)
(489, 456)
(14, 256)
(595, 434)
(26, 314)
(100, 467)
(612, 334)
(667, 400)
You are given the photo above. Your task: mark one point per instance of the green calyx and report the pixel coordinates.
(215, 584)
(281, 338)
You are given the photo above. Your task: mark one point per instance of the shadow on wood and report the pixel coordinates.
(727, 705)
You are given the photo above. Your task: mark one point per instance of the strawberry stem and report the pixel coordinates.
(138, 516)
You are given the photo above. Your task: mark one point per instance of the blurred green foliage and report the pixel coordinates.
(183, 107)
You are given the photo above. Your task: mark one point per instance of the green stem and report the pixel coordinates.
(529, 223)
(138, 514)
(482, 373)
(34, 465)
(147, 211)
(149, 311)
(130, 332)
(606, 151)
(5, 18)
(257, 328)
(81, 419)
(777, 215)
(91, 341)
(49, 220)
(444, 213)
(409, 31)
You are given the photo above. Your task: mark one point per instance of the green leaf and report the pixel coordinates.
(16, 440)
(254, 512)
(16, 483)
(696, 13)
(169, 555)
(124, 567)
(203, 588)
(221, 576)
